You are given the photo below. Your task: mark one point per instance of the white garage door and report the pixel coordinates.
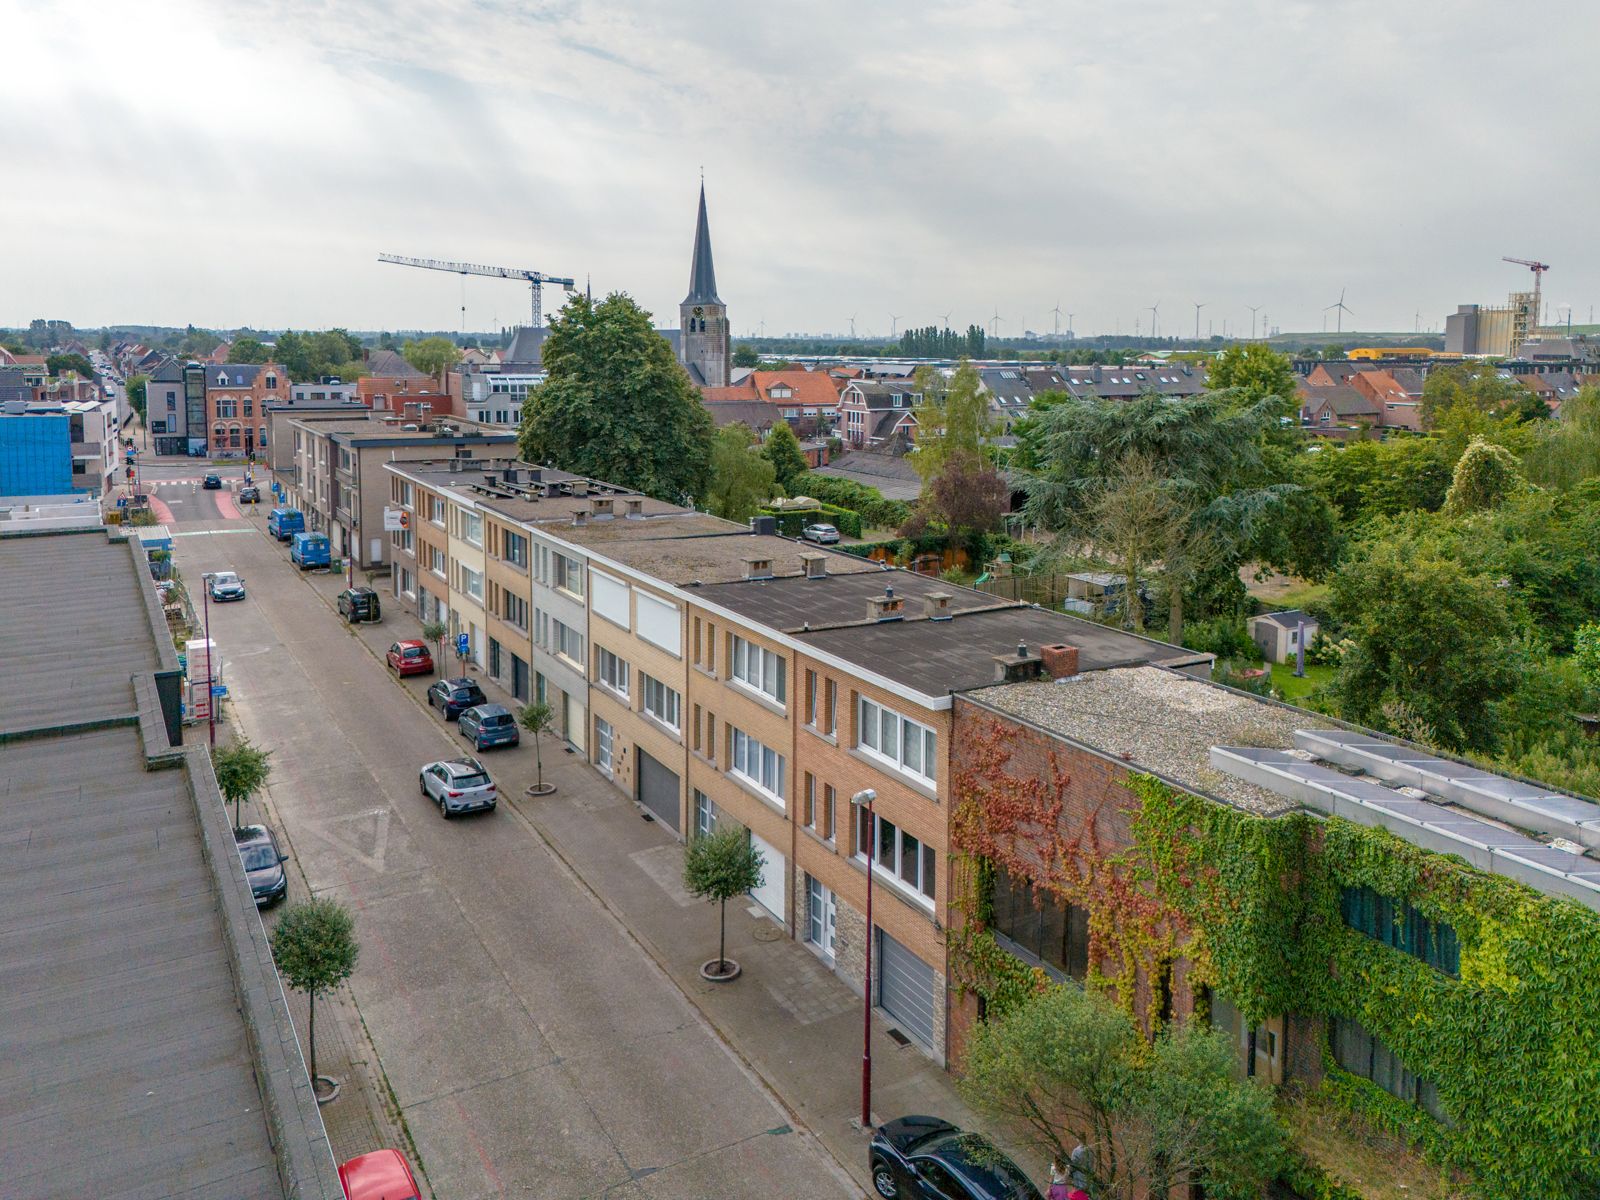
(905, 989)
(770, 894)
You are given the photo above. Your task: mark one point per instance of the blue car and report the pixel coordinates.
(489, 725)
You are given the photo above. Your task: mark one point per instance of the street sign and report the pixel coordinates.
(394, 520)
(463, 645)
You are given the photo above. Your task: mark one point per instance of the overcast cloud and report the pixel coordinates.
(244, 163)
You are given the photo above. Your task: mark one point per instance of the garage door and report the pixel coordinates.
(905, 989)
(774, 869)
(658, 790)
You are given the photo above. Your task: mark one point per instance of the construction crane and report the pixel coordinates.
(536, 279)
(1538, 269)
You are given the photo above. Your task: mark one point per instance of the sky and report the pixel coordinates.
(228, 164)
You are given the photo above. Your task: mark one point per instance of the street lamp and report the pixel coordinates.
(864, 799)
(211, 650)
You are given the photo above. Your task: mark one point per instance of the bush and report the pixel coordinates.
(1231, 673)
(1224, 637)
(846, 493)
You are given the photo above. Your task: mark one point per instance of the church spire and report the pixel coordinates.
(702, 275)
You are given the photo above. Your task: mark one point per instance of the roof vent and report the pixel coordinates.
(601, 505)
(635, 506)
(765, 524)
(887, 607)
(1018, 667)
(580, 518)
(580, 487)
(757, 566)
(936, 606)
(815, 564)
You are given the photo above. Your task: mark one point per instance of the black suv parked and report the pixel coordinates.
(360, 604)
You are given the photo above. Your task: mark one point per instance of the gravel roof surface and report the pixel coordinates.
(1168, 722)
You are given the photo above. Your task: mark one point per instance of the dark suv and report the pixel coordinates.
(263, 863)
(454, 696)
(360, 604)
(925, 1158)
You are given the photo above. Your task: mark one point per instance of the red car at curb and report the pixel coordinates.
(410, 658)
(381, 1175)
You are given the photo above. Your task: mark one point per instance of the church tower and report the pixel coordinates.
(703, 337)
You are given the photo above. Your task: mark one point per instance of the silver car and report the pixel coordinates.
(459, 785)
(821, 533)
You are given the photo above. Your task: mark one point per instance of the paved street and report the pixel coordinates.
(533, 1048)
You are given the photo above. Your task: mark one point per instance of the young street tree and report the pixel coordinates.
(718, 867)
(315, 948)
(782, 450)
(617, 405)
(742, 478)
(1068, 1068)
(242, 770)
(536, 718)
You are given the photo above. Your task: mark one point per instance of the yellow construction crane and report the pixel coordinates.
(537, 279)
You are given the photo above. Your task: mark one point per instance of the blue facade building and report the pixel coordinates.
(36, 455)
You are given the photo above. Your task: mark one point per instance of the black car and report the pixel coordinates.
(212, 482)
(250, 494)
(455, 696)
(925, 1158)
(263, 863)
(359, 604)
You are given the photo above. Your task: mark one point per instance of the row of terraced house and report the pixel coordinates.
(715, 672)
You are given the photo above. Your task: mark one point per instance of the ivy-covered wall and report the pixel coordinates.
(1250, 906)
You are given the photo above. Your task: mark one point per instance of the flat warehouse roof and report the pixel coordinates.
(126, 1069)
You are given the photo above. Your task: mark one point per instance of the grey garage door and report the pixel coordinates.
(658, 790)
(905, 989)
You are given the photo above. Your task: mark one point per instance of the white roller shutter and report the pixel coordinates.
(608, 597)
(659, 624)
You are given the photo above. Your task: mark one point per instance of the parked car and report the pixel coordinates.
(225, 585)
(410, 658)
(360, 604)
(822, 534)
(263, 863)
(489, 725)
(284, 523)
(249, 494)
(307, 550)
(459, 785)
(212, 482)
(925, 1158)
(380, 1175)
(454, 696)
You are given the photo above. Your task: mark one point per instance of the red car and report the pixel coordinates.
(381, 1175)
(410, 658)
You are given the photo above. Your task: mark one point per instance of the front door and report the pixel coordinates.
(821, 917)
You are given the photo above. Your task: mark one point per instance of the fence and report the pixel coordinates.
(1045, 588)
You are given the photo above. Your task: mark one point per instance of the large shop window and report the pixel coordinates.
(1401, 925)
(899, 741)
(1041, 925)
(1358, 1052)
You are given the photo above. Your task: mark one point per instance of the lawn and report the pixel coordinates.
(1295, 690)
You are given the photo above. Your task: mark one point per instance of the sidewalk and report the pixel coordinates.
(790, 1019)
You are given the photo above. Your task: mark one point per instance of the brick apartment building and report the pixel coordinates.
(237, 395)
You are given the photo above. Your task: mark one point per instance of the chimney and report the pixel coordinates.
(601, 505)
(635, 506)
(887, 607)
(1060, 660)
(815, 564)
(757, 566)
(1018, 666)
(1094, 372)
(936, 606)
(491, 478)
(580, 518)
(580, 487)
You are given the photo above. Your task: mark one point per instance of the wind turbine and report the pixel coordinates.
(1154, 309)
(852, 326)
(1254, 309)
(946, 319)
(995, 325)
(1197, 309)
(1070, 334)
(1057, 311)
(1339, 314)
(894, 324)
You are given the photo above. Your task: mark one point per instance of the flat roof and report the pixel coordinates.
(795, 603)
(935, 657)
(706, 560)
(76, 630)
(1166, 722)
(549, 509)
(383, 431)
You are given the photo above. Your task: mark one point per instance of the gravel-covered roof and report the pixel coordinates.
(1166, 721)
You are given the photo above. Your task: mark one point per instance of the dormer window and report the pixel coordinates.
(272, 381)
(222, 379)
(781, 391)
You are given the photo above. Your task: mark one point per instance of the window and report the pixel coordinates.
(658, 622)
(1399, 924)
(472, 583)
(514, 610)
(436, 561)
(757, 668)
(662, 702)
(568, 642)
(808, 803)
(811, 698)
(514, 549)
(825, 818)
(830, 699)
(226, 407)
(608, 597)
(472, 528)
(1358, 1052)
(1041, 925)
(758, 764)
(899, 856)
(897, 740)
(436, 510)
(602, 744)
(611, 671)
(569, 574)
(705, 814)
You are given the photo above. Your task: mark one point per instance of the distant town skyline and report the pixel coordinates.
(198, 162)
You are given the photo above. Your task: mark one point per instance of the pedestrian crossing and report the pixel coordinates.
(227, 484)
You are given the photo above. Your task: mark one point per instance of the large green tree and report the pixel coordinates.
(1477, 386)
(1434, 647)
(782, 450)
(1366, 479)
(1209, 452)
(310, 356)
(952, 420)
(432, 356)
(1253, 371)
(617, 405)
(1565, 452)
(76, 363)
(742, 477)
(246, 349)
(1486, 476)
(1067, 1067)
(137, 387)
